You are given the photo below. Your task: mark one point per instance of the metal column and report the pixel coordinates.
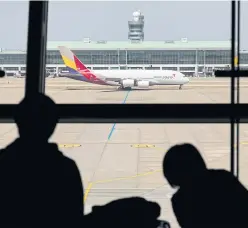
(238, 68)
(36, 51)
(234, 52)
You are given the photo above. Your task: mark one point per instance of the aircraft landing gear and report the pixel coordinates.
(180, 87)
(124, 88)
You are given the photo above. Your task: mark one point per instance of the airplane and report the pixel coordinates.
(125, 79)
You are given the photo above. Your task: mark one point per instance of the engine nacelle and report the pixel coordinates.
(128, 83)
(143, 84)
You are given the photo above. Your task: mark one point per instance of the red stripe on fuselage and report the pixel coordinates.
(92, 78)
(87, 73)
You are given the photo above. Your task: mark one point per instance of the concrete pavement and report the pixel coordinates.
(122, 160)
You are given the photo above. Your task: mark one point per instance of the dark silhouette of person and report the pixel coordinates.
(39, 186)
(2, 73)
(130, 212)
(205, 197)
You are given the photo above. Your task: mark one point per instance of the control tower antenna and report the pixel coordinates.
(136, 27)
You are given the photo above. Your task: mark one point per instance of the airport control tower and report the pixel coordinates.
(136, 27)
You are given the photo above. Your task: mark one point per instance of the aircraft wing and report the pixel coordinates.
(119, 79)
(113, 79)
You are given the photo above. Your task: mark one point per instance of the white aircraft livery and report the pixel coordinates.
(125, 79)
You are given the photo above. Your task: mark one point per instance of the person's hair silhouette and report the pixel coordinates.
(2, 73)
(182, 163)
(36, 118)
(205, 197)
(39, 185)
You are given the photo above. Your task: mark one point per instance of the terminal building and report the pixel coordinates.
(190, 57)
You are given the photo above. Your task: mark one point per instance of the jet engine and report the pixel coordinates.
(128, 83)
(143, 84)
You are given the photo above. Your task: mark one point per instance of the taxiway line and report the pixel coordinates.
(91, 184)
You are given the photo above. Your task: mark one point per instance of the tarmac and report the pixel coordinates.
(123, 160)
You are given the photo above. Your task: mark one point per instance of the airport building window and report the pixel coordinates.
(134, 57)
(54, 57)
(152, 68)
(122, 57)
(244, 58)
(217, 57)
(187, 57)
(100, 68)
(98, 57)
(12, 58)
(169, 68)
(10, 68)
(187, 68)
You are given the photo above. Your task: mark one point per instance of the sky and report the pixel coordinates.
(99, 20)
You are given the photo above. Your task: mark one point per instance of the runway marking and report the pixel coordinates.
(89, 187)
(128, 177)
(161, 148)
(150, 146)
(124, 101)
(109, 136)
(69, 145)
(111, 132)
(143, 146)
(113, 127)
(147, 146)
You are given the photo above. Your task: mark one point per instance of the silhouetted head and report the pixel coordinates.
(36, 118)
(182, 164)
(2, 73)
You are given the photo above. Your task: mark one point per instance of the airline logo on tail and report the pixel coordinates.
(76, 66)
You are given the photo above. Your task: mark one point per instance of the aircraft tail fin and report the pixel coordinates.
(71, 60)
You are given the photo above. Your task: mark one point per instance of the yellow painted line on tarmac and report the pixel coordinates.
(68, 145)
(150, 146)
(143, 146)
(87, 191)
(241, 143)
(128, 177)
(90, 185)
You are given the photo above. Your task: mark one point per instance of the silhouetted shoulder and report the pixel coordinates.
(222, 175)
(221, 172)
(2, 152)
(73, 188)
(72, 171)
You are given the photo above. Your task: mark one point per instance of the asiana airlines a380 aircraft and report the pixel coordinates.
(125, 79)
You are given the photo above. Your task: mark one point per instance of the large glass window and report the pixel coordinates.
(13, 49)
(123, 160)
(243, 156)
(243, 58)
(217, 57)
(12, 57)
(196, 58)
